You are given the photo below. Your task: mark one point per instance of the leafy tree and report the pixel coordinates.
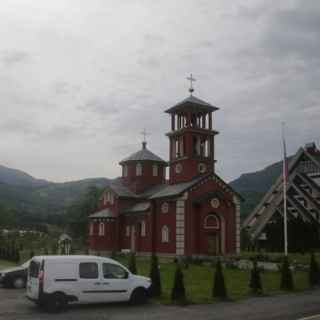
(255, 280)
(132, 263)
(77, 214)
(314, 275)
(219, 288)
(178, 293)
(286, 276)
(155, 289)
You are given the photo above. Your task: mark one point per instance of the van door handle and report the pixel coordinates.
(97, 283)
(106, 283)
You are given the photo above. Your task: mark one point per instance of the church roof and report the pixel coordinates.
(192, 102)
(121, 190)
(138, 207)
(179, 188)
(143, 155)
(104, 213)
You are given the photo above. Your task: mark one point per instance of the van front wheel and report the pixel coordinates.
(138, 296)
(56, 302)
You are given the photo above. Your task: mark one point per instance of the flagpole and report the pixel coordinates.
(285, 176)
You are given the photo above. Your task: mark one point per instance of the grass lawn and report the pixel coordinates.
(296, 258)
(5, 264)
(199, 279)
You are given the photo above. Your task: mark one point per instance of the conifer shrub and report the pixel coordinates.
(155, 289)
(255, 279)
(31, 254)
(17, 257)
(219, 287)
(314, 275)
(178, 292)
(132, 263)
(113, 254)
(286, 276)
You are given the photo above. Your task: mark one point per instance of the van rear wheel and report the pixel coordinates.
(56, 302)
(19, 283)
(138, 296)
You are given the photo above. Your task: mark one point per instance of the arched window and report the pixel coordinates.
(155, 170)
(211, 221)
(127, 231)
(143, 229)
(138, 169)
(165, 234)
(101, 229)
(125, 170)
(91, 229)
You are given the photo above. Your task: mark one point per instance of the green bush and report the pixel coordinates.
(314, 277)
(155, 289)
(132, 263)
(219, 288)
(286, 276)
(178, 293)
(255, 280)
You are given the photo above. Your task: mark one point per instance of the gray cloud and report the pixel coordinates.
(13, 57)
(96, 82)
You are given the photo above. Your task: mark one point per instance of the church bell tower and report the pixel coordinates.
(191, 138)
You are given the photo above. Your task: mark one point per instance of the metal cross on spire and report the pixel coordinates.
(144, 134)
(191, 79)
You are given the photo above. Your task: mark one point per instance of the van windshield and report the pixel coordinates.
(34, 269)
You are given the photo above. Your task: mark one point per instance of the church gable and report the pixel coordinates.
(303, 195)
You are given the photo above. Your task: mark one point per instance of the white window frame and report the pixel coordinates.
(138, 169)
(165, 232)
(125, 170)
(101, 229)
(210, 216)
(91, 229)
(127, 231)
(143, 229)
(155, 170)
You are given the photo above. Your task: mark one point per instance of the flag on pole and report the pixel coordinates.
(285, 181)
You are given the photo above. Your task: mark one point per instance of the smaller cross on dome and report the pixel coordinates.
(144, 134)
(191, 79)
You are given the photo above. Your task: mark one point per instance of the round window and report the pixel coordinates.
(165, 207)
(215, 203)
(202, 168)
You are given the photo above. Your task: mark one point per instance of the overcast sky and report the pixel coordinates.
(80, 79)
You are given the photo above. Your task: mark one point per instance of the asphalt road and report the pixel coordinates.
(14, 305)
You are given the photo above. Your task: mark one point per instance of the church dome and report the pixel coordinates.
(143, 155)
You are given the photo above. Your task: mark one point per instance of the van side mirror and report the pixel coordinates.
(126, 275)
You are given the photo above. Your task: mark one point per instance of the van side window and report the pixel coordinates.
(34, 269)
(88, 270)
(113, 271)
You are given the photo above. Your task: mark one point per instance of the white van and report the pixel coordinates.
(55, 281)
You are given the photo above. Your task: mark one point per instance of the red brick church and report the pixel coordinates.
(193, 213)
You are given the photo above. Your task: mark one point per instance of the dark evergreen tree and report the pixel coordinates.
(314, 276)
(178, 293)
(45, 251)
(255, 280)
(286, 276)
(31, 254)
(132, 263)
(113, 254)
(17, 256)
(219, 288)
(155, 289)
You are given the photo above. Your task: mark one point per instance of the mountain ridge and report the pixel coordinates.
(42, 198)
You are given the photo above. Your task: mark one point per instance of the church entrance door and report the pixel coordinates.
(213, 244)
(133, 239)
